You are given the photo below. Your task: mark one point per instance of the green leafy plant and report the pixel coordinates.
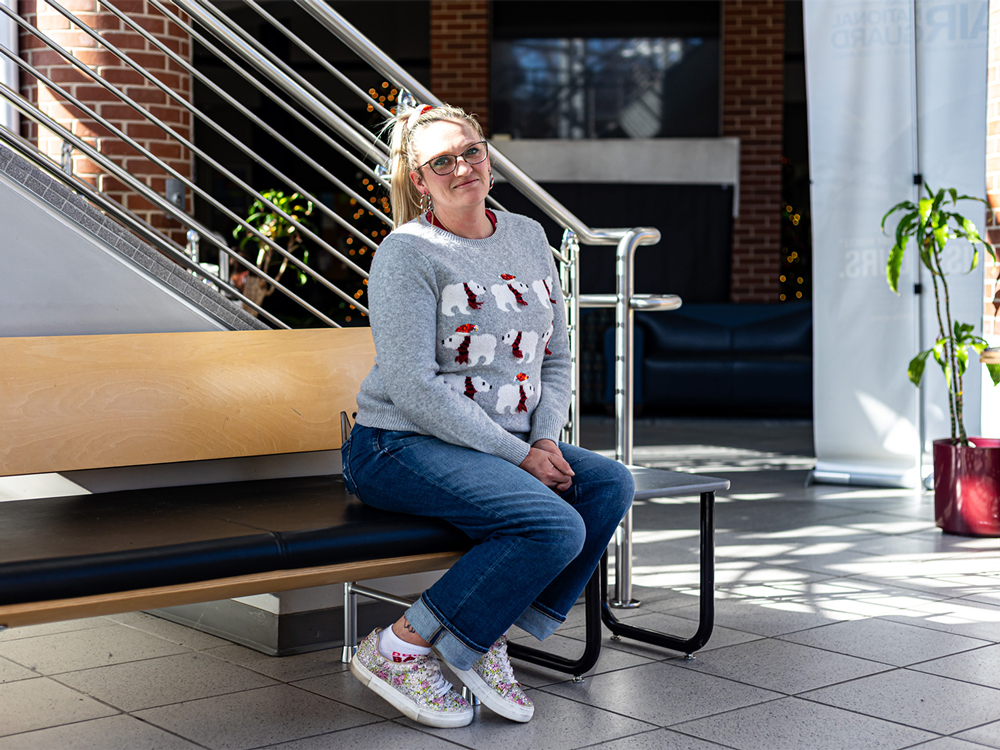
(281, 231)
(932, 225)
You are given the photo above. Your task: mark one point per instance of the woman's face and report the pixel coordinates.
(468, 184)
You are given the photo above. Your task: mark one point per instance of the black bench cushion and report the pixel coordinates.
(58, 548)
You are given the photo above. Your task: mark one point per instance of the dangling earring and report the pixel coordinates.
(492, 180)
(426, 203)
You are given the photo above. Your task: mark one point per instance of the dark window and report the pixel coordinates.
(565, 70)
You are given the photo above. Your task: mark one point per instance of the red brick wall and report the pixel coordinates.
(991, 293)
(753, 35)
(460, 55)
(82, 86)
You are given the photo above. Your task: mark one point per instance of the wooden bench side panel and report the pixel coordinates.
(84, 402)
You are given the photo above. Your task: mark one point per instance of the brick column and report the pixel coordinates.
(991, 293)
(753, 34)
(85, 88)
(460, 55)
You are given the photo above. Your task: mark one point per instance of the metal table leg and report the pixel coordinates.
(592, 647)
(706, 619)
(596, 608)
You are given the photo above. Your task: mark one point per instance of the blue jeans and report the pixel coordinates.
(535, 549)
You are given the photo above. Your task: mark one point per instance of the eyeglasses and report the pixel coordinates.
(445, 164)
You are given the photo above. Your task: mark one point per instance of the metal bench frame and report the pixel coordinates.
(650, 483)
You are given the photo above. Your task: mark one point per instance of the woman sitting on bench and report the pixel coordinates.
(459, 419)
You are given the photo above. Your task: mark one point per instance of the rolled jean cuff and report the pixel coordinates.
(432, 629)
(540, 621)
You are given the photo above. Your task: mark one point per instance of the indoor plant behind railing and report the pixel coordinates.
(278, 229)
(966, 470)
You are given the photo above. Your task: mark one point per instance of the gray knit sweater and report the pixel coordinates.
(470, 338)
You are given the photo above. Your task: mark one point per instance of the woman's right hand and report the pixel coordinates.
(550, 469)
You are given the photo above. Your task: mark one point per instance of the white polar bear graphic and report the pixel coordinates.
(514, 397)
(543, 288)
(523, 344)
(471, 348)
(545, 340)
(467, 385)
(510, 295)
(461, 296)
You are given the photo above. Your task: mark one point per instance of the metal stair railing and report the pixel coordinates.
(305, 103)
(149, 233)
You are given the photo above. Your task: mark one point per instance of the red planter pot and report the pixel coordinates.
(967, 487)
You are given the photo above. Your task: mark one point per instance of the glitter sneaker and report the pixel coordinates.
(416, 687)
(492, 680)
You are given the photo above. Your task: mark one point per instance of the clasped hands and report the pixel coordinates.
(545, 462)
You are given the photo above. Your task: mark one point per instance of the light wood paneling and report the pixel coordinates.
(37, 613)
(83, 402)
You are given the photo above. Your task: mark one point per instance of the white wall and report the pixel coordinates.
(654, 161)
(60, 280)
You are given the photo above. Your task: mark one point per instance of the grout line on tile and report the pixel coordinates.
(170, 732)
(420, 728)
(312, 736)
(871, 716)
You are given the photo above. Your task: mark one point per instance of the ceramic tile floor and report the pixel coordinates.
(844, 620)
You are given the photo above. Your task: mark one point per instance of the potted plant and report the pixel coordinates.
(277, 228)
(966, 470)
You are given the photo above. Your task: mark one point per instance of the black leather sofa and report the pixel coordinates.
(715, 359)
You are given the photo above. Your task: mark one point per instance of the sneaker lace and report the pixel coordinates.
(438, 684)
(506, 671)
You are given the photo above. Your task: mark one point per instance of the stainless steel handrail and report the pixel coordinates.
(120, 134)
(637, 302)
(269, 93)
(318, 58)
(246, 42)
(187, 143)
(203, 14)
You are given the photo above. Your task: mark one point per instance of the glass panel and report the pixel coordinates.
(606, 88)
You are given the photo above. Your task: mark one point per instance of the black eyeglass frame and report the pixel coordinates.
(456, 157)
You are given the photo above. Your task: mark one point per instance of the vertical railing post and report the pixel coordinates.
(624, 366)
(569, 280)
(66, 163)
(193, 245)
(350, 624)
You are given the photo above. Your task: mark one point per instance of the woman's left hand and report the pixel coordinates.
(545, 463)
(549, 446)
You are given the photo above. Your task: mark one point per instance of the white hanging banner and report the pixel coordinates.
(8, 70)
(952, 56)
(864, 152)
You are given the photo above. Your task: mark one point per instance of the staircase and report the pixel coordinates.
(71, 269)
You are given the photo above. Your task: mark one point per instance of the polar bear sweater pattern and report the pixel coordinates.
(470, 338)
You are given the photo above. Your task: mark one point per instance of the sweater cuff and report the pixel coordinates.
(545, 429)
(512, 449)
